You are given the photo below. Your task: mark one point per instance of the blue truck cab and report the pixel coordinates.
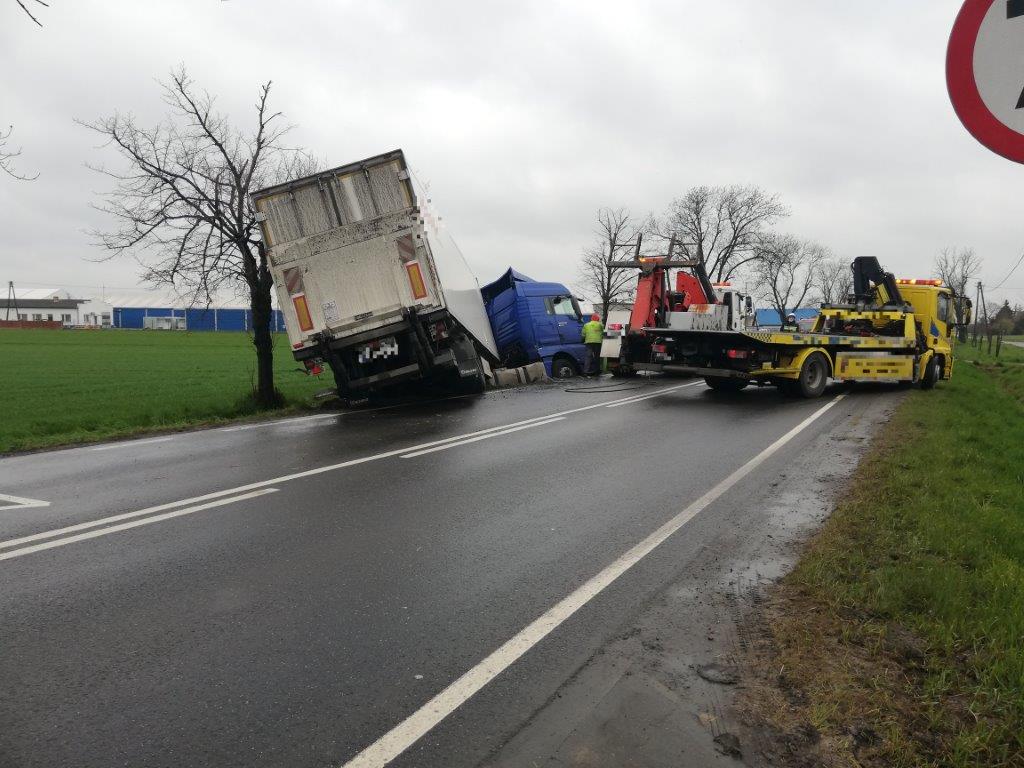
(536, 321)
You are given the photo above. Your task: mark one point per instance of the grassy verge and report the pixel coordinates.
(902, 628)
(61, 387)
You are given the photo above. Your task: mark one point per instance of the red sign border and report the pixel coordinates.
(963, 88)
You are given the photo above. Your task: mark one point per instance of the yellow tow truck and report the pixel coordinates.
(891, 330)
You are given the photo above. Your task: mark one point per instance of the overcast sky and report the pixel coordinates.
(526, 117)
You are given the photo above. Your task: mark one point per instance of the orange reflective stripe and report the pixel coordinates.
(419, 289)
(302, 312)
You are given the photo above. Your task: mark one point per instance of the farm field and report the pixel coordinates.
(68, 386)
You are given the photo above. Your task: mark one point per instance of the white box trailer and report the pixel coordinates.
(369, 281)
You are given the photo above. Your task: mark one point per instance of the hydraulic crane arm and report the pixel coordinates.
(867, 274)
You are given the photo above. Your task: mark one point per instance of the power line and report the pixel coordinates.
(1011, 272)
(61, 284)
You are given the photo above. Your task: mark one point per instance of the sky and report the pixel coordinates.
(526, 117)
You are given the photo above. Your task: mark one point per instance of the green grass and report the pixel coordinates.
(61, 387)
(930, 540)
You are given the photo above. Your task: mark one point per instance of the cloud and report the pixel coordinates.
(526, 117)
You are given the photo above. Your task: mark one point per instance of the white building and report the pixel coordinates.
(42, 304)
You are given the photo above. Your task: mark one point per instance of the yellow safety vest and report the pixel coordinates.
(593, 332)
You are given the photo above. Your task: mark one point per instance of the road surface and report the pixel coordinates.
(306, 592)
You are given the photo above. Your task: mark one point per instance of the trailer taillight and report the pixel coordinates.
(737, 354)
(438, 331)
(659, 348)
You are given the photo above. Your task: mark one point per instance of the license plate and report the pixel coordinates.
(379, 350)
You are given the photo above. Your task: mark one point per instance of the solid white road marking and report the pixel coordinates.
(278, 422)
(296, 476)
(17, 502)
(638, 398)
(481, 437)
(133, 524)
(130, 443)
(421, 722)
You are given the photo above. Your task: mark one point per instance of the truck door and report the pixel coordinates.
(545, 323)
(568, 319)
(943, 315)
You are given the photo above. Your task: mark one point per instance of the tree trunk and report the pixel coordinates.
(260, 286)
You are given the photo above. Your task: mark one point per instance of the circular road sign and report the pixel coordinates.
(985, 73)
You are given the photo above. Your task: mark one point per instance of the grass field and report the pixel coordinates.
(906, 616)
(71, 386)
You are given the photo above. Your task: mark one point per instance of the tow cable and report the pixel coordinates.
(603, 388)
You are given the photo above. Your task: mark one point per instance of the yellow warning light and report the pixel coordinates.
(904, 281)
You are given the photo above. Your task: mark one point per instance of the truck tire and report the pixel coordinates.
(722, 384)
(813, 376)
(563, 368)
(931, 374)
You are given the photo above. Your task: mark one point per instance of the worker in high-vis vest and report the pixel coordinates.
(593, 335)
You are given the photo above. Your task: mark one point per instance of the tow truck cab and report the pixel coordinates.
(936, 316)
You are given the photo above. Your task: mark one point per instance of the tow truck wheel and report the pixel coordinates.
(813, 376)
(931, 374)
(721, 384)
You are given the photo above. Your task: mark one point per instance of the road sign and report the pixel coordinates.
(985, 73)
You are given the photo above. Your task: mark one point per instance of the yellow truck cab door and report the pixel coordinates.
(943, 316)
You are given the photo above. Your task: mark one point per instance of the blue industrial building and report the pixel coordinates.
(190, 318)
(769, 318)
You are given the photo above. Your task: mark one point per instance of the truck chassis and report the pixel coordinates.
(801, 363)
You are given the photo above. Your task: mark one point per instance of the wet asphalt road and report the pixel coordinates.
(338, 583)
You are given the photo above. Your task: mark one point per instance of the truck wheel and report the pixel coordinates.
(563, 368)
(813, 376)
(931, 374)
(722, 384)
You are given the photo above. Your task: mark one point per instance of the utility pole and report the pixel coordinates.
(977, 309)
(988, 326)
(12, 298)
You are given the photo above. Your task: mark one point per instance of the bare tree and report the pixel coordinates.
(616, 233)
(182, 203)
(786, 268)
(8, 155)
(957, 267)
(722, 226)
(28, 12)
(833, 280)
